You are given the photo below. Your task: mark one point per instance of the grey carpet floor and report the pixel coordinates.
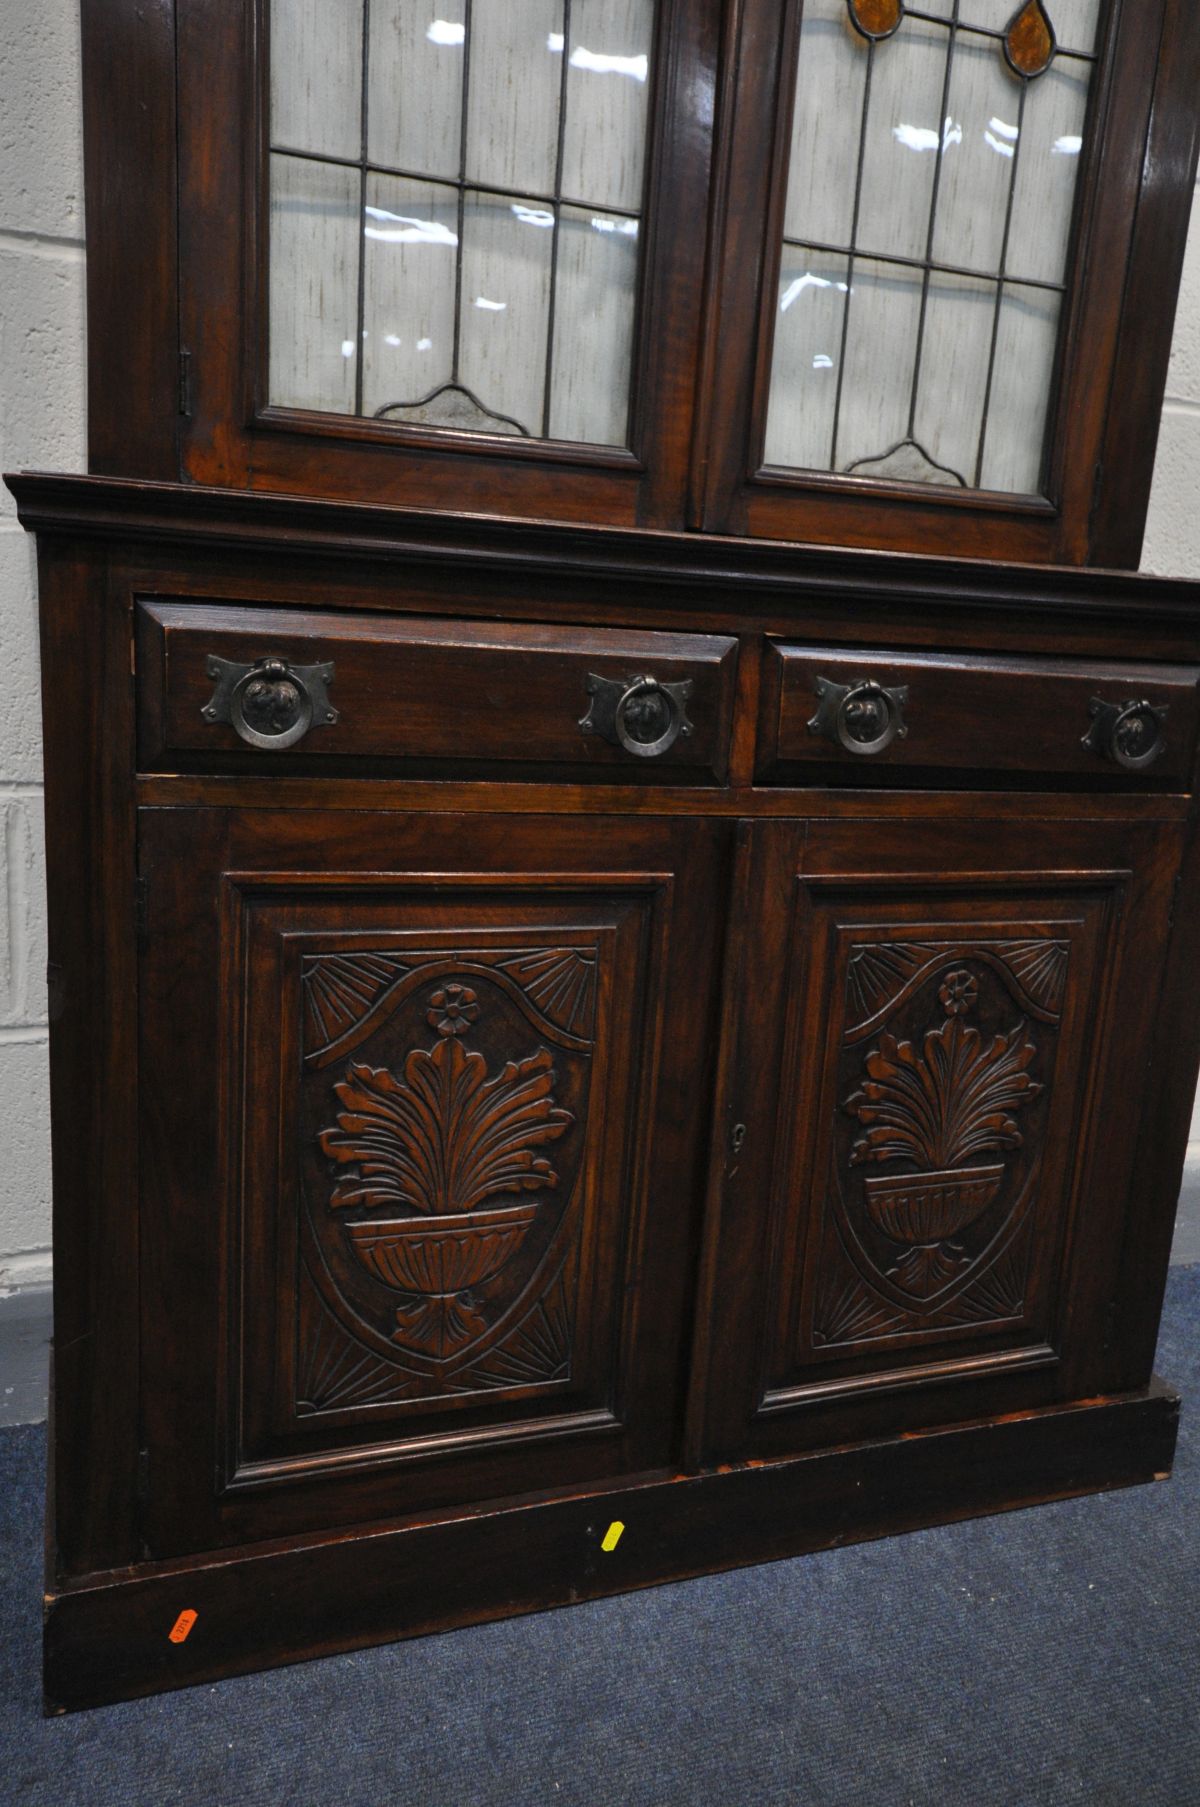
(1041, 1658)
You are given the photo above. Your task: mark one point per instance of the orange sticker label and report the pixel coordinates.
(182, 1626)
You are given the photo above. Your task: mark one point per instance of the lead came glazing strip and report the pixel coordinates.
(1022, 304)
(858, 181)
(1008, 218)
(558, 177)
(463, 128)
(512, 175)
(938, 166)
(364, 106)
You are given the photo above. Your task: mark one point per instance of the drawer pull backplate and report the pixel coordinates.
(1130, 734)
(640, 714)
(271, 703)
(860, 718)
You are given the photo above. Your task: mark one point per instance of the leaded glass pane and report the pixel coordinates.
(456, 194)
(931, 190)
(314, 258)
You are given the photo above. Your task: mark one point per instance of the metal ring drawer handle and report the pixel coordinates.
(1129, 733)
(861, 718)
(640, 714)
(272, 704)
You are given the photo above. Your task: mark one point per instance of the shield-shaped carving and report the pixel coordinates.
(445, 1131)
(942, 1095)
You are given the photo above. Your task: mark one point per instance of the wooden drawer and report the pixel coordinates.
(433, 694)
(866, 711)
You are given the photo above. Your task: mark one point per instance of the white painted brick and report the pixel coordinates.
(28, 1272)
(36, 949)
(24, 1146)
(23, 912)
(42, 362)
(1172, 546)
(8, 950)
(20, 698)
(1183, 378)
(41, 128)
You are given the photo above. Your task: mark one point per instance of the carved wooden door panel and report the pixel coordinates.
(423, 1101)
(932, 1150)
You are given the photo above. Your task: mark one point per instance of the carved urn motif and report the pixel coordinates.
(936, 1109)
(440, 1140)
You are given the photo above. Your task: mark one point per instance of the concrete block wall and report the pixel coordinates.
(1173, 548)
(42, 403)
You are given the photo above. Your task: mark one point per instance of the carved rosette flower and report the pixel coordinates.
(452, 1010)
(957, 994)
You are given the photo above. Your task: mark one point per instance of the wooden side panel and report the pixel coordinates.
(132, 303)
(88, 715)
(423, 1172)
(1121, 496)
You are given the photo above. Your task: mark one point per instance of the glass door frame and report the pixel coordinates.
(230, 435)
(1114, 336)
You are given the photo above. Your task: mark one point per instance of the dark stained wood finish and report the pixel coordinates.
(362, 557)
(92, 984)
(467, 1135)
(108, 1638)
(976, 714)
(767, 802)
(132, 253)
(1139, 375)
(713, 908)
(308, 951)
(1029, 955)
(430, 691)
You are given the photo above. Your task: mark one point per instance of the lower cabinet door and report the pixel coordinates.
(424, 1108)
(929, 1168)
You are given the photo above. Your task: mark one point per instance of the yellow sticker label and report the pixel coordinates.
(182, 1626)
(612, 1536)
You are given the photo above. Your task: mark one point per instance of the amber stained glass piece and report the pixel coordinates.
(876, 19)
(1029, 42)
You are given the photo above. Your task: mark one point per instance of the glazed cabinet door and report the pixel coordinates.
(422, 1101)
(930, 1184)
(938, 320)
(450, 261)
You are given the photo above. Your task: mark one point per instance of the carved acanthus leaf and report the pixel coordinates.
(444, 1137)
(951, 1101)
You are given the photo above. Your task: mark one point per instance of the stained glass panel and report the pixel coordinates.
(931, 192)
